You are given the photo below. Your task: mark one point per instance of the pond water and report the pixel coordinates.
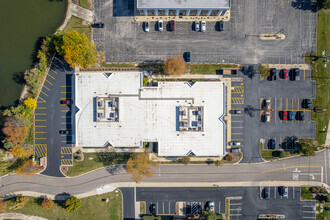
(23, 23)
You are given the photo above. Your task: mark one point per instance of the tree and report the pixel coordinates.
(210, 215)
(307, 148)
(175, 66)
(218, 163)
(140, 166)
(3, 205)
(42, 61)
(325, 4)
(17, 151)
(72, 204)
(47, 203)
(19, 202)
(77, 49)
(264, 70)
(28, 169)
(33, 78)
(229, 157)
(185, 160)
(30, 103)
(13, 131)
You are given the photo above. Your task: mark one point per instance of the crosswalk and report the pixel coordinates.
(235, 209)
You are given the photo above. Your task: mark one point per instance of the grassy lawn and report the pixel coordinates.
(93, 161)
(208, 68)
(227, 209)
(306, 194)
(77, 25)
(85, 4)
(321, 74)
(266, 154)
(91, 208)
(142, 208)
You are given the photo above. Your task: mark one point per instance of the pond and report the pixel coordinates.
(23, 23)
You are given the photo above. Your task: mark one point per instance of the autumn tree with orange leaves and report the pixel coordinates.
(15, 132)
(18, 151)
(47, 203)
(140, 166)
(27, 169)
(174, 66)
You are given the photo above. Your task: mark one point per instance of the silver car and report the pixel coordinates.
(210, 206)
(203, 26)
(196, 25)
(160, 25)
(234, 143)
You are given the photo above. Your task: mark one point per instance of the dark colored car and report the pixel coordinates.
(187, 56)
(295, 143)
(271, 144)
(172, 25)
(98, 25)
(300, 116)
(66, 102)
(265, 193)
(153, 209)
(283, 191)
(307, 103)
(272, 74)
(296, 74)
(67, 132)
(220, 25)
(290, 113)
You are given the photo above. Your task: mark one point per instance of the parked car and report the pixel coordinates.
(153, 209)
(234, 143)
(266, 193)
(67, 132)
(160, 25)
(235, 112)
(220, 25)
(98, 25)
(271, 144)
(290, 113)
(196, 25)
(285, 74)
(146, 26)
(66, 102)
(285, 115)
(210, 206)
(283, 190)
(172, 25)
(295, 143)
(236, 150)
(296, 74)
(267, 116)
(307, 103)
(267, 104)
(187, 56)
(300, 116)
(272, 74)
(203, 26)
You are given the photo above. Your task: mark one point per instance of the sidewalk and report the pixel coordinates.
(19, 216)
(327, 141)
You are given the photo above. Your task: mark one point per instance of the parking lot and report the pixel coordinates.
(124, 40)
(237, 120)
(244, 202)
(51, 116)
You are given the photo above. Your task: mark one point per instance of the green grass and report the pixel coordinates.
(266, 154)
(321, 75)
(30, 138)
(85, 4)
(99, 160)
(142, 208)
(227, 209)
(77, 25)
(208, 68)
(91, 208)
(306, 194)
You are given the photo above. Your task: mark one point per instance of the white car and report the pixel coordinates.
(210, 206)
(160, 25)
(196, 25)
(234, 143)
(146, 26)
(203, 26)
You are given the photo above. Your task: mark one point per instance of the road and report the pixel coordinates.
(295, 169)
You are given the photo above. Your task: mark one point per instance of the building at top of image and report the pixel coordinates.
(117, 111)
(182, 7)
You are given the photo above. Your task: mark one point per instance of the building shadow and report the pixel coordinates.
(122, 8)
(305, 5)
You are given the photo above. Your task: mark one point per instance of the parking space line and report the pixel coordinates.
(40, 120)
(304, 74)
(44, 93)
(275, 111)
(298, 110)
(65, 116)
(40, 132)
(53, 70)
(47, 88)
(66, 150)
(40, 126)
(236, 127)
(64, 123)
(66, 92)
(237, 139)
(40, 138)
(237, 133)
(40, 150)
(43, 101)
(66, 161)
(41, 108)
(236, 121)
(49, 82)
(51, 76)
(39, 113)
(55, 65)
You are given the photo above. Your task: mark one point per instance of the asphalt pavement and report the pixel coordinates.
(128, 203)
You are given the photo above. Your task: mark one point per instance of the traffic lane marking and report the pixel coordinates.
(290, 167)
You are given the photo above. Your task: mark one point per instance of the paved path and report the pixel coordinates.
(327, 141)
(307, 169)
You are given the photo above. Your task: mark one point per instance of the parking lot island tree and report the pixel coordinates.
(141, 166)
(76, 49)
(307, 148)
(264, 70)
(47, 203)
(174, 66)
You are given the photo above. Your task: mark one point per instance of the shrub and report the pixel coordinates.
(3, 205)
(229, 157)
(185, 160)
(72, 204)
(145, 81)
(264, 70)
(175, 66)
(30, 103)
(47, 203)
(218, 163)
(287, 153)
(282, 154)
(19, 202)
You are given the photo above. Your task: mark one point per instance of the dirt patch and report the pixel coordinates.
(64, 169)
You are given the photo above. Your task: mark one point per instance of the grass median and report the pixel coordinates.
(91, 208)
(209, 69)
(77, 24)
(320, 74)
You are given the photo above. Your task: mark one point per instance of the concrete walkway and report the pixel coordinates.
(19, 216)
(77, 11)
(327, 141)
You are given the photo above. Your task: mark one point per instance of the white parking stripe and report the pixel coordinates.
(219, 206)
(275, 192)
(309, 211)
(292, 192)
(169, 207)
(308, 217)
(235, 203)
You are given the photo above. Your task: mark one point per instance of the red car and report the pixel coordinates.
(285, 115)
(172, 26)
(285, 74)
(66, 102)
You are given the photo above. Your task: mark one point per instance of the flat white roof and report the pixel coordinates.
(149, 114)
(191, 4)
